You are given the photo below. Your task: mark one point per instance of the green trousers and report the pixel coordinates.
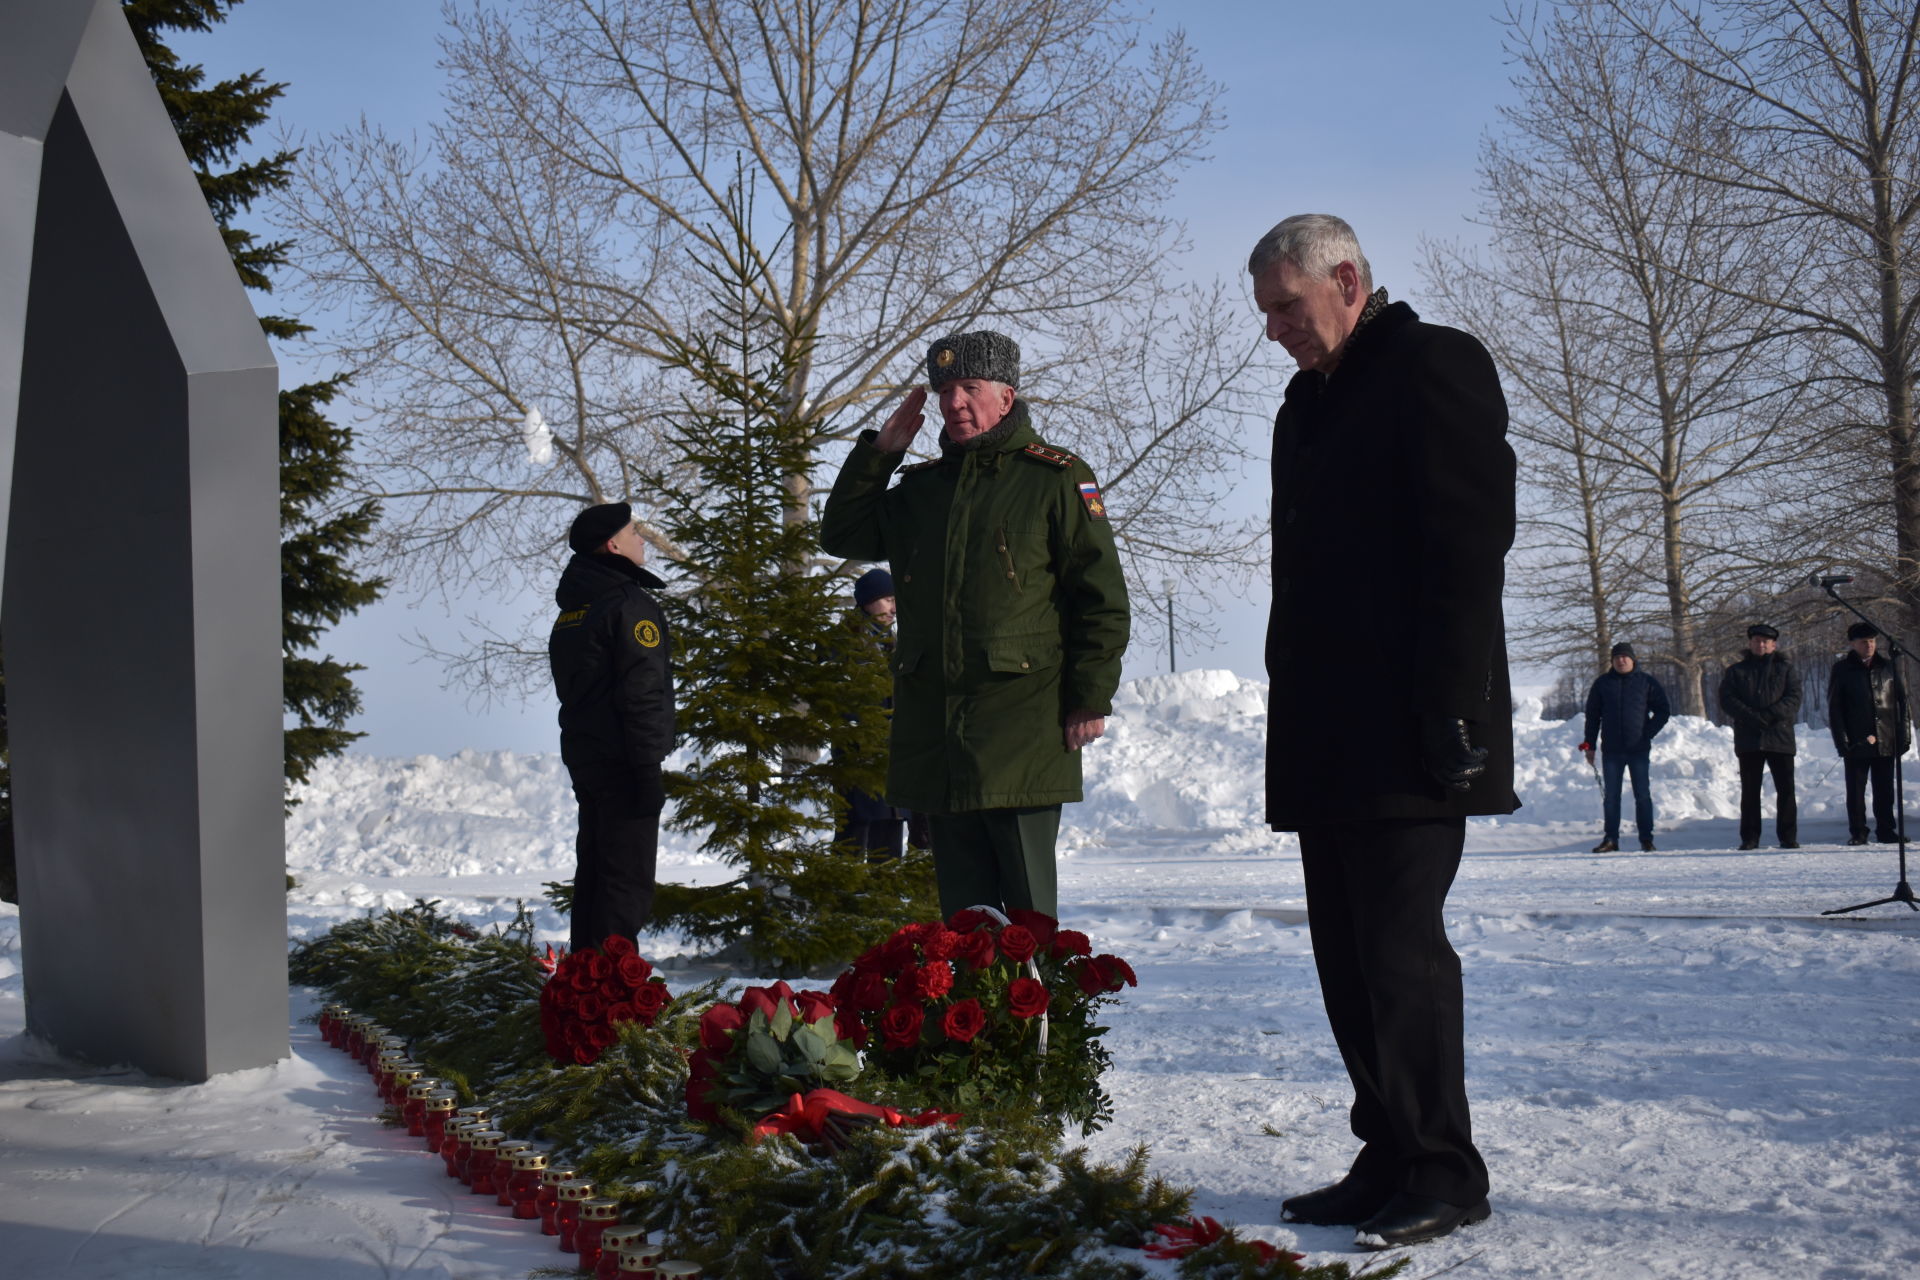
(997, 858)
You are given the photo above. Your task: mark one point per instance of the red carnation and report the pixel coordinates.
(941, 944)
(1018, 943)
(633, 969)
(1119, 971)
(1071, 942)
(717, 1026)
(900, 1026)
(617, 946)
(977, 949)
(935, 979)
(964, 1021)
(1026, 998)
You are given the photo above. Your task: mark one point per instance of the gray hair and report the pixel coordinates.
(1315, 243)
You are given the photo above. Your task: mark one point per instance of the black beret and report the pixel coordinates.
(1623, 650)
(1862, 631)
(1763, 631)
(592, 527)
(983, 354)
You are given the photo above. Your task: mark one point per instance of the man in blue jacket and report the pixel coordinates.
(1625, 709)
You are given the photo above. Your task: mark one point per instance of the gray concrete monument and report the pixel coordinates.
(140, 616)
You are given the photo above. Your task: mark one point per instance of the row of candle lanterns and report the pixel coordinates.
(514, 1172)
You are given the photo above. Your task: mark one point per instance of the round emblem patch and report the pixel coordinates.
(944, 357)
(647, 634)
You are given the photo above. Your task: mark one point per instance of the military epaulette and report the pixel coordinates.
(919, 466)
(1047, 453)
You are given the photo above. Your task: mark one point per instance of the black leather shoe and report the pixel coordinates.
(1410, 1219)
(1607, 846)
(1789, 844)
(1342, 1204)
(1646, 846)
(1856, 840)
(1746, 845)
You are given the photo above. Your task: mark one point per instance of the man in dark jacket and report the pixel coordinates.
(1393, 503)
(871, 825)
(1761, 695)
(1865, 711)
(611, 667)
(1625, 709)
(1013, 618)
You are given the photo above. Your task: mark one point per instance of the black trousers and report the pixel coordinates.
(614, 855)
(1880, 770)
(1391, 983)
(1786, 814)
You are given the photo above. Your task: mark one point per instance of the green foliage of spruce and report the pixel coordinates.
(319, 536)
(781, 699)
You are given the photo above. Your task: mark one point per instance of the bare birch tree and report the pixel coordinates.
(1683, 388)
(1826, 96)
(916, 167)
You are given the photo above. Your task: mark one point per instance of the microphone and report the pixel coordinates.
(1823, 583)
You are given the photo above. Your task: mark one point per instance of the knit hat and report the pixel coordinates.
(1862, 631)
(1763, 631)
(1623, 650)
(872, 585)
(982, 353)
(592, 527)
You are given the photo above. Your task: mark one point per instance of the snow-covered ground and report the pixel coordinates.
(1678, 1067)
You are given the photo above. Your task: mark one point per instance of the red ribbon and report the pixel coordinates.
(805, 1117)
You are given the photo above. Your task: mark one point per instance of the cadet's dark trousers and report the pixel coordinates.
(996, 858)
(1880, 769)
(1391, 984)
(614, 855)
(1786, 815)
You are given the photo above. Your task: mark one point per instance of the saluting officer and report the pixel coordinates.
(611, 665)
(1012, 616)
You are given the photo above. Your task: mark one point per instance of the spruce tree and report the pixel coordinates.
(318, 585)
(779, 692)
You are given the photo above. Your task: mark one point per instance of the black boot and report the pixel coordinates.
(1342, 1204)
(1411, 1219)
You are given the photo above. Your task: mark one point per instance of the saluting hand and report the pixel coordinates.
(1083, 727)
(905, 423)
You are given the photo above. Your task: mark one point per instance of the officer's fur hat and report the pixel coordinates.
(982, 353)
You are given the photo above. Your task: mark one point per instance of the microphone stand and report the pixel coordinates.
(1902, 892)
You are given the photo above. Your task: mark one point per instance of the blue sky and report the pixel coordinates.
(1372, 109)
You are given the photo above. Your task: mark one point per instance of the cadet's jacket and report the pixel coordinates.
(611, 667)
(1012, 612)
(1762, 698)
(1861, 704)
(1626, 711)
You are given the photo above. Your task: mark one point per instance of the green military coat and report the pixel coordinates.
(1012, 611)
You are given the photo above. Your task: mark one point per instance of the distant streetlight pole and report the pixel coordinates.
(1167, 584)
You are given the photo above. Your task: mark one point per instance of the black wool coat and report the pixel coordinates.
(1393, 511)
(1861, 705)
(1762, 698)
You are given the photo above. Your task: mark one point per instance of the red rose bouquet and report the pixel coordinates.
(987, 1016)
(590, 993)
(758, 1052)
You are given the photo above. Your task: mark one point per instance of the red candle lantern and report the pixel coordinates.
(677, 1269)
(415, 1085)
(480, 1165)
(503, 1167)
(435, 1111)
(595, 1217)
(401, 1074)
(573, 1194)
(386, 1044)
(638, 1261)
(552, 1178)
(523, 1188)
(460, 1146)
(329, 1018)
(615, 1240)
(357, 1028)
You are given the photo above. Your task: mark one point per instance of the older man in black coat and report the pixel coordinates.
(1393, 510)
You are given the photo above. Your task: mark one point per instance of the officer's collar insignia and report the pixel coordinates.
(1046, 453)
(1090, 494)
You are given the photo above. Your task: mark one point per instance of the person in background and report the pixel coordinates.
(1625, 709)
(1761, 695)
(1864, 712)
(871, 825)
(612, 668)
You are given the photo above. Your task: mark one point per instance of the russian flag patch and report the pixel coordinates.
(1090, 494)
